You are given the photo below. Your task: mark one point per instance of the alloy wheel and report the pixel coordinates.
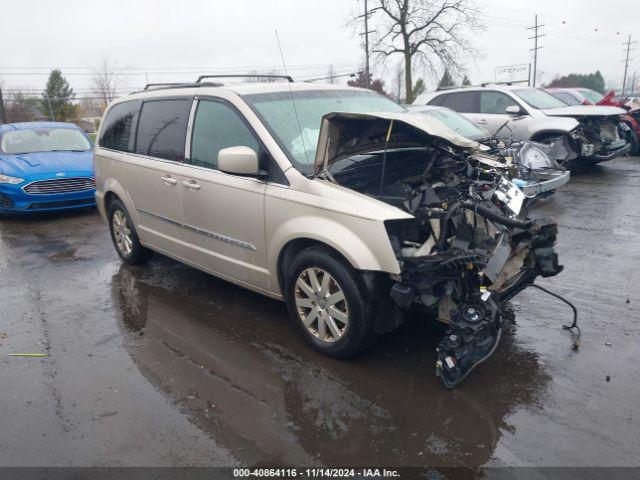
(122, 233)
(321, 304)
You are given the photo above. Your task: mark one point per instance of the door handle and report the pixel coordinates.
(168, 180)
(191, 185)
(482, 121)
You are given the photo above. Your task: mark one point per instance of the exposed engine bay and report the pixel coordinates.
(596, 139)
(469, 246)
(531, 166)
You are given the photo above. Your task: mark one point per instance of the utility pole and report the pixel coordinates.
(535, 48)
(626, 61)
(633, 84)
(53, 118)
(3, 113)
(367, 70)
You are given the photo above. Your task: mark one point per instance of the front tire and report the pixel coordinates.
(327, 304)
(124, 236)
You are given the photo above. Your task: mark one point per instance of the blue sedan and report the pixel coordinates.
(45, 166)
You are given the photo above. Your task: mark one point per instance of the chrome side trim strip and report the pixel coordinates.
(217, 236)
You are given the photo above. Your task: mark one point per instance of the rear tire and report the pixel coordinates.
(322, 289)
(124, 236)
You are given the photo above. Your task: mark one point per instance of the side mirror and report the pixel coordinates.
(239, 160)
(513, 110)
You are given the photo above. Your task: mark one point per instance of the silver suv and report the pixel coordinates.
(350, 218)
(583, 134)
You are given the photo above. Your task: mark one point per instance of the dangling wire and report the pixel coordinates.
(574, 325)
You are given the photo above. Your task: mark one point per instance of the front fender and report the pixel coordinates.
(553, 125)
(364, 243)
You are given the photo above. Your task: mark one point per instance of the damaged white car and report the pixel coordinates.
(581, 135)
(351, 218)
(530, 164)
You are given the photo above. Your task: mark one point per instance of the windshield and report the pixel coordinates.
(298, 137)
(456, 122)
(591, 95)
(538, 98)
(44, 140)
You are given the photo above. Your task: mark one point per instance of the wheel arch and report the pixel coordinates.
(536, 137)
(295, 246)
(114, 190)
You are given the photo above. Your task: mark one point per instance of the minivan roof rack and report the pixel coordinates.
(246, 75)
(161, 86)
(168, 85)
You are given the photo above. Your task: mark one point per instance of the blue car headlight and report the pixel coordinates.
(10, 180)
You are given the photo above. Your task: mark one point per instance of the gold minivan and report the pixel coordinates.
(334, 199)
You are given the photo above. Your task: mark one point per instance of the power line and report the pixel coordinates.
(535, 48)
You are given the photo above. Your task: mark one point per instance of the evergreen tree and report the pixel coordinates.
(57, 98)
(376, 85)
(594, 81)
(446, 80)
(418, 88)
(466, 81)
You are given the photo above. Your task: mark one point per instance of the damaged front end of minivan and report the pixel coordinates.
(468, 247)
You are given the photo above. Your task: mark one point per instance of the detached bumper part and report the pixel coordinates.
(554, 181)
(611, 154)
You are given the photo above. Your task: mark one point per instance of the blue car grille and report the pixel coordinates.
(60, 185)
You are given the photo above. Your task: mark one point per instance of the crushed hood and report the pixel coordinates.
(344, 134)
(584, 111)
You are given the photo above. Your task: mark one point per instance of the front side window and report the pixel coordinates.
(162, 128)
(119, 126)
(294, 118)
(463, 102)
(44, 140)
(457, 123)
(495, 103)
(539, 99)
(215, 127)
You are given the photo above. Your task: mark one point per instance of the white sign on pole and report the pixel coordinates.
(513, 73)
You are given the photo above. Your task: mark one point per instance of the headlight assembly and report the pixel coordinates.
(10, 180)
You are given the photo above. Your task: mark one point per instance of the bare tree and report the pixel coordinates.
(331, 74)
(259, 79)
(398, 74)
(106, 81)
(434, 33)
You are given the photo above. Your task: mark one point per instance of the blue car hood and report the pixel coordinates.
(26, 164)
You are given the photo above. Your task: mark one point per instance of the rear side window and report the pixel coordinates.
(218, 126)
(437, 100)
(463, 102)
(162, 128)
(495, 102)
(119, 126)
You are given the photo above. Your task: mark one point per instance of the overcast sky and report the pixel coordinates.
(158, 40)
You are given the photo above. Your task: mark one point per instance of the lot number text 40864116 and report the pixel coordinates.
(314, 473)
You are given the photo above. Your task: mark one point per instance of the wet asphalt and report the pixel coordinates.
(165, 365)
